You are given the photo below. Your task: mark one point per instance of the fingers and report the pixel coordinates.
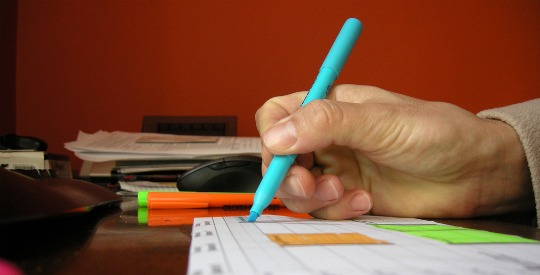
(270, 113)
(352, 204)
(323, 197)
(298, 184)
(280, 107)
(319, 124)
(344, 119)
(303, 193)
(366, 94)
(277, 108)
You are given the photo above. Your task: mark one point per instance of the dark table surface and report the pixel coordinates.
(111, 240)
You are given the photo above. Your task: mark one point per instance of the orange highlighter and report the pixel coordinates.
(178, 200)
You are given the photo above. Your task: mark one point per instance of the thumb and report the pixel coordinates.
(319, 124)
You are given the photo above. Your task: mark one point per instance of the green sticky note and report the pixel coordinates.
(456, 235)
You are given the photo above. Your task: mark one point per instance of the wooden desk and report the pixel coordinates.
(111, 241)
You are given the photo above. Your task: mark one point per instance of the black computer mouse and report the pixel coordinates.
(238, 174)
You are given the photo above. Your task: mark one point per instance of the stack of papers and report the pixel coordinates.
(150, 161)
(106, 146)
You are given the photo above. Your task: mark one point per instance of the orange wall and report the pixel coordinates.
(103, 64)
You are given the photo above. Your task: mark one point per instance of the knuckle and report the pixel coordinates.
(322, 114)
(268, 105)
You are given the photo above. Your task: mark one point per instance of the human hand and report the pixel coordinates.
(365, 150)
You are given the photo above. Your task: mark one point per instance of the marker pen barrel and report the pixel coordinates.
(328, 73)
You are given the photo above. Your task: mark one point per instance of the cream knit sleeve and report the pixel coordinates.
(525, 119)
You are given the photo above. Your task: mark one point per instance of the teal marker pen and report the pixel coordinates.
(329, 71)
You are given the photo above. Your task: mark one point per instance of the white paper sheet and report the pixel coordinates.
(230, 245)
(106, 146)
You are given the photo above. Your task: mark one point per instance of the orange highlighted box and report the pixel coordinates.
(323, 238)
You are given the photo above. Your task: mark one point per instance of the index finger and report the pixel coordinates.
(276, 109)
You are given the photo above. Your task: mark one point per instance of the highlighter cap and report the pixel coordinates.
(343, 45)
(142, 199)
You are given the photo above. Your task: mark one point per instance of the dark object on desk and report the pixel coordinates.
(240, 174)
(45, 246)
(190, 125)
(15, 142)
(23, 198)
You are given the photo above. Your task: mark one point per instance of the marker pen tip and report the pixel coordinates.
(252, 216)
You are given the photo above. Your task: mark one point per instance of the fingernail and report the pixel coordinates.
(326, 191)
(361, 202)
(292, 185)
(281, 136)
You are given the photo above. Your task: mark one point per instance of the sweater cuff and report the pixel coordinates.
(525, 119)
